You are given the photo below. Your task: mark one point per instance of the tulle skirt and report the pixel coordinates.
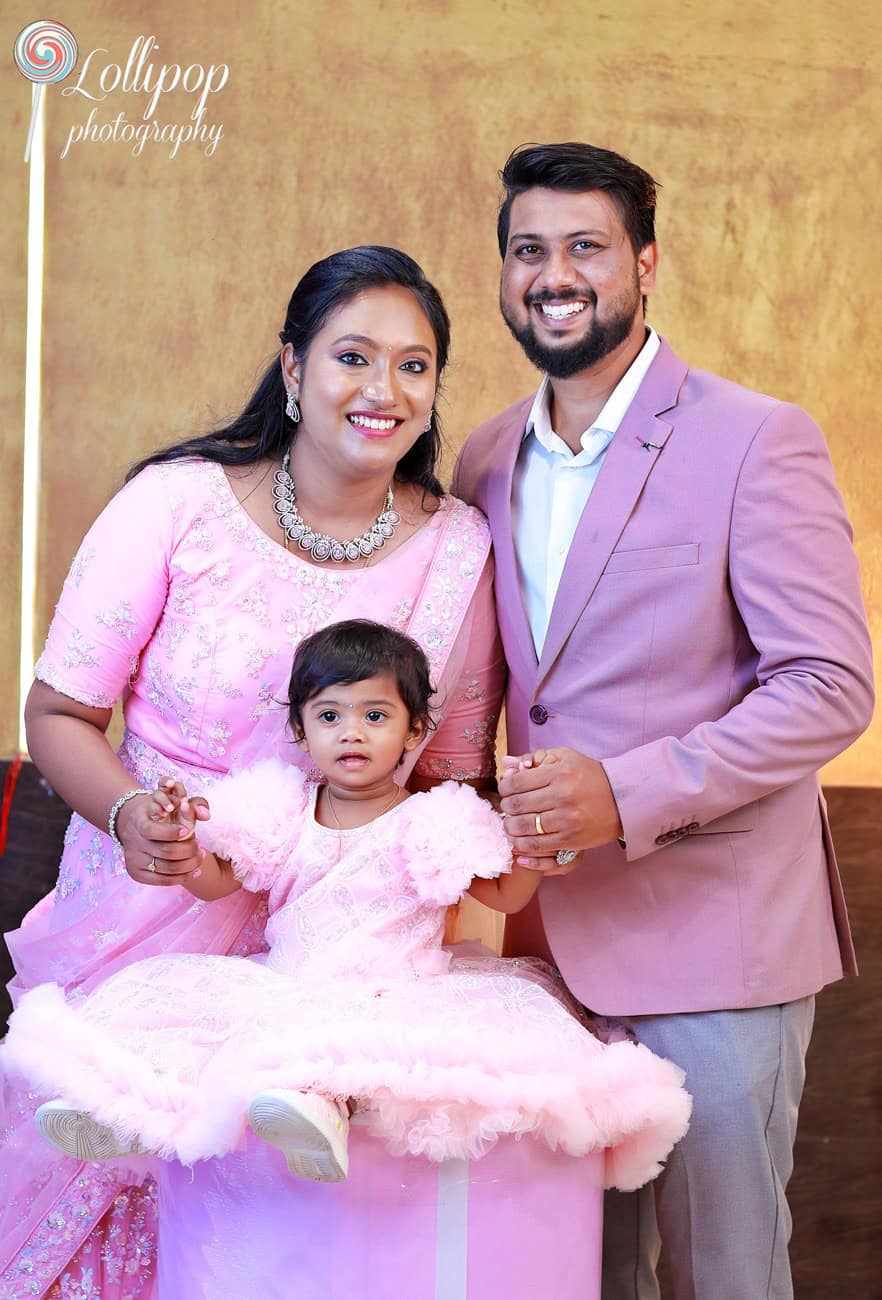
(170, 1051)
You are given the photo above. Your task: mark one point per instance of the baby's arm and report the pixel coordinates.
(214, 876)
(508, 893)
(511, 762)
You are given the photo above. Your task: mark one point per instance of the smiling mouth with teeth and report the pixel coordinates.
(375, 424)
(560, 311)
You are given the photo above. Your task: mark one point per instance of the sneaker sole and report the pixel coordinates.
(305, 1147)
(77, 1134)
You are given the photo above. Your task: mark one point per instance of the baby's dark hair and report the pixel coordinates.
(352, 651)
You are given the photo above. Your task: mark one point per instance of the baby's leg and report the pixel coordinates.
(312, 1130)
(78, 1134)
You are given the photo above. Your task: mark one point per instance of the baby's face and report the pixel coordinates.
(356, 733)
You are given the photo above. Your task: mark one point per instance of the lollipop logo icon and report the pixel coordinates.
(44, 52)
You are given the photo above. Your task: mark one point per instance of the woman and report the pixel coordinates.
(188, 595)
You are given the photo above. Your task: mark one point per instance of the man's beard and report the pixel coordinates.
(562, 362)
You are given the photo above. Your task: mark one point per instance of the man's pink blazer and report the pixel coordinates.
(708, 644)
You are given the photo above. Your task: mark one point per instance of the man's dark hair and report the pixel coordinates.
(352, 651)
(580, 167)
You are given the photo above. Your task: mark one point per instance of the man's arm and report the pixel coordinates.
(795, 581)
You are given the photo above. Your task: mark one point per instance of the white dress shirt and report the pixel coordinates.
(552, 485)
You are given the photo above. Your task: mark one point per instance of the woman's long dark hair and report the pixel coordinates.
(262, 427)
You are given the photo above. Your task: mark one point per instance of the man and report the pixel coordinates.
(680, 607)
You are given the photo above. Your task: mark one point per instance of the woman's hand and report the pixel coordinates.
(158, 834)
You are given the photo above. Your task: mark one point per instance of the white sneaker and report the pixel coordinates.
(77, 1134)
(313, 1132)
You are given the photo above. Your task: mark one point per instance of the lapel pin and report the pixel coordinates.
(649, 446)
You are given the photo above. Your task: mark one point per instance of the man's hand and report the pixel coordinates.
(574, 801)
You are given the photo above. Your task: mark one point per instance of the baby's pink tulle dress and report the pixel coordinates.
(356, 998)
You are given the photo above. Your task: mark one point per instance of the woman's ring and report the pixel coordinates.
(564, 857)
(540, 830)
(151, 865)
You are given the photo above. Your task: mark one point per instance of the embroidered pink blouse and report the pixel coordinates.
(180, 602)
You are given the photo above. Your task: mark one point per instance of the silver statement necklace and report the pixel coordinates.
(319, 545)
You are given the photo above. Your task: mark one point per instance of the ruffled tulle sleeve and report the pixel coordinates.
(113, 596)
(256, 818)
(452, 835)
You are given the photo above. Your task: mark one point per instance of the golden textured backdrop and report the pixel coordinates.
(346, 122)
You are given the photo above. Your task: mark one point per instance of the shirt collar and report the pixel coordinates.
(614, 409)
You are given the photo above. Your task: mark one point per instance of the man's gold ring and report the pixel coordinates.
(151, 865)
(540, 830)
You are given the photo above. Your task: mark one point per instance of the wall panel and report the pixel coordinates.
(342, 123)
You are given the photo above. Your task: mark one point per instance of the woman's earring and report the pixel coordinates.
(428, 425)
(292, 410)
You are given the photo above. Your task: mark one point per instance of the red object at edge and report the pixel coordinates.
(9, 785)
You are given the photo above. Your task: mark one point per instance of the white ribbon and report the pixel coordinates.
(452, 1231)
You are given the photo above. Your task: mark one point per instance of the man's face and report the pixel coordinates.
(572, 286)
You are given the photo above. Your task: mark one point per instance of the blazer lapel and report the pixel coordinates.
(510, 603)
(628, 463)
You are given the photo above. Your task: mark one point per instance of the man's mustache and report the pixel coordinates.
(565, 295)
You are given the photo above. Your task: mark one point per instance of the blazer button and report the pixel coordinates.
(539, 714)
(663, 839)
(693, 826)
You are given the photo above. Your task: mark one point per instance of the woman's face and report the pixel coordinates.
(367, 383)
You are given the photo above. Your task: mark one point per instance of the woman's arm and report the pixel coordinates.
(113, 598)
(67, 741)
